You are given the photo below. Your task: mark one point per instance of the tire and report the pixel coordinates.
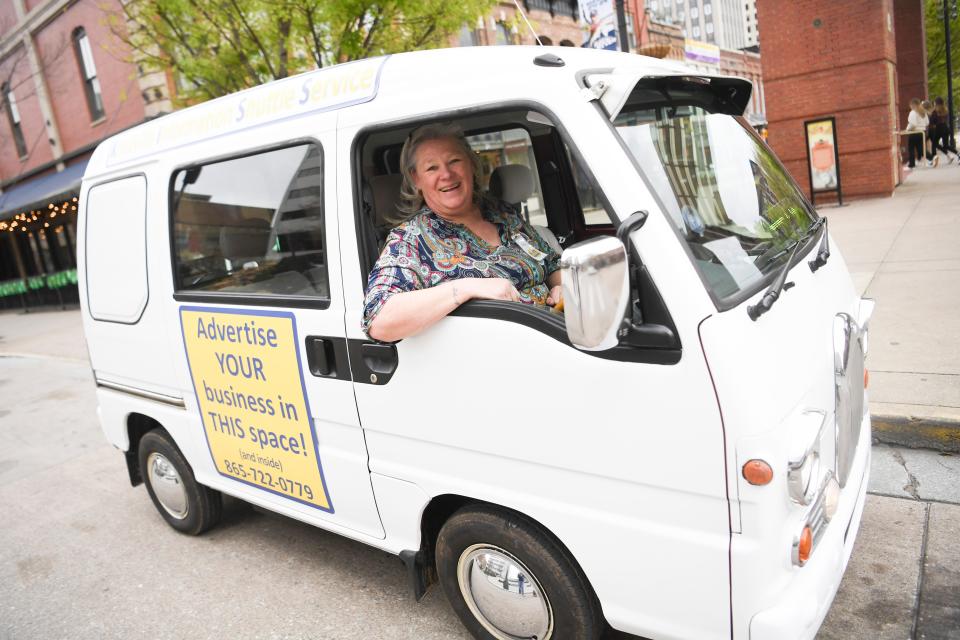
(186, 505)
(507, 579)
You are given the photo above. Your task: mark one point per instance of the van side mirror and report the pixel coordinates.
(596, 290)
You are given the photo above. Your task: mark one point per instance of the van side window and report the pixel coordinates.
(594, 213)
(252, 225)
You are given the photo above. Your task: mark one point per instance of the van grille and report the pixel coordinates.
(848, 373)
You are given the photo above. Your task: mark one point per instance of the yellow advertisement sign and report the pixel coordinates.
(246, 372)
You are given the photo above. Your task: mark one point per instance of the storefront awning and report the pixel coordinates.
(38, 192)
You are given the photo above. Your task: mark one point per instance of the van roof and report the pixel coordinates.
(347, 84)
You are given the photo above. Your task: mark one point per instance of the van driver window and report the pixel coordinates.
(252, 225)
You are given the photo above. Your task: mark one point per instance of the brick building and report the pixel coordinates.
(858, 61)
(556, 23)
(66, 86)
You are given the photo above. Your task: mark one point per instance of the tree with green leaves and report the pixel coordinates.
(216, 47)
(937, 50)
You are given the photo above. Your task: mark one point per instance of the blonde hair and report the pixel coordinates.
(411, 200)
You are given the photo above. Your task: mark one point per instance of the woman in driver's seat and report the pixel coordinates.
(458, 243)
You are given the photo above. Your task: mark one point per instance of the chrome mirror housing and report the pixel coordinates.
(596, 290)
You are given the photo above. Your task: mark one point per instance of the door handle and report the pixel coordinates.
(327, 357)
(373, 362)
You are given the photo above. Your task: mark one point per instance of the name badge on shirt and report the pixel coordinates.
(530, 250)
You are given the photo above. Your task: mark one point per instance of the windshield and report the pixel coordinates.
(724, 190)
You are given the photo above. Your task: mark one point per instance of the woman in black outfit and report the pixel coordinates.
(940, 130)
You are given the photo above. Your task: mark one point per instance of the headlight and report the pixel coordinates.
(803, 477)
(803, 465)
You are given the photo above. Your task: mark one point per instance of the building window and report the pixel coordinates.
(707, 9)
(88, 71)
(694, 12)
(502, 34)
(710, 28)
(696, 31)
(468, 37)
(13, 115)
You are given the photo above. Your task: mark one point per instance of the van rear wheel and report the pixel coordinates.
(186, 505)
(507, 579)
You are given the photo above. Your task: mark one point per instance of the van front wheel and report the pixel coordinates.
(186, 505)
(506, 579)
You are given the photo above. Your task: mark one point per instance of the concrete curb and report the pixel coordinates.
(917, 433)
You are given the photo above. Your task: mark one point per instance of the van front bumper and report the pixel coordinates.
(805, 601)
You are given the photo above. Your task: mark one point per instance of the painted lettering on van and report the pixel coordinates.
(330, 88)
(246, 373)
(315, 90)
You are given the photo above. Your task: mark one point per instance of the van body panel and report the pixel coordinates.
(795, 340)
(111, 343)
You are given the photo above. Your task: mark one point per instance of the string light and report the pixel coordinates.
(33, 219)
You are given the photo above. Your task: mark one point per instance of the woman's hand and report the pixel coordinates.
(487, 289)
(556, 296)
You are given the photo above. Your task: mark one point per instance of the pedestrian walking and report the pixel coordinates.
(917, 123)
(940, 131)
(933, 159)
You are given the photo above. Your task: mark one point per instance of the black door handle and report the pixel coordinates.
(373, 362)
(327, 357)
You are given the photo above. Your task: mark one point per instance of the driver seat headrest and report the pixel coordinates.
(512, 183)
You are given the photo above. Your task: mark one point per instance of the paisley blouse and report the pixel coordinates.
(427, 250)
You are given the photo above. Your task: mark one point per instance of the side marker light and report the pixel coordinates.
(806, 545)
(757, 472)
(866, 378)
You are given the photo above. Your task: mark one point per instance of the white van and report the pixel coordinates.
(683, 453)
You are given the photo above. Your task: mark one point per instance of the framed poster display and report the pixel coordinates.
(823, 157)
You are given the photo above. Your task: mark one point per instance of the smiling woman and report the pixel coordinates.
(457, 244)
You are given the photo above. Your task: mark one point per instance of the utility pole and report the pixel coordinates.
(949, 12)
(625, 37)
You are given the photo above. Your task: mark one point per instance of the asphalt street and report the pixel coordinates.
(84, 555)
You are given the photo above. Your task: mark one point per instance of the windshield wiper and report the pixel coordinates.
(823, 253)
(773, 293)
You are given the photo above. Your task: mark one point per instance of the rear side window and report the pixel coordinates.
(252, 225)
(116, 251)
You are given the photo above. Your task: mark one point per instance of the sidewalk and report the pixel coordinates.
(904, 252)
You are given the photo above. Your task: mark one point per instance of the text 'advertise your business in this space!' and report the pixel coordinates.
(249, 384)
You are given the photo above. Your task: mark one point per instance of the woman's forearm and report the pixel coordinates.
(408, 313)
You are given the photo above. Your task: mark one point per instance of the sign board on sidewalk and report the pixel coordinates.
(823, 157)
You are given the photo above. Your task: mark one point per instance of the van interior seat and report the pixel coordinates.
(245, 241)
(385, 190)
(513, 183)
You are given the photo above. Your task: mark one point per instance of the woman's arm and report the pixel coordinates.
(408, 313)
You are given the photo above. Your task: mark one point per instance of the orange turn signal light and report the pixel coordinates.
(866, 378)
(805, 546)
(757, 472)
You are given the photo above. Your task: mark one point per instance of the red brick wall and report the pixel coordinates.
(16, 69)
(122, 102)
(911, 55)
(825, 58)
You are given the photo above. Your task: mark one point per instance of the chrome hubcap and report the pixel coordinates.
(167, 486)
(504, 596)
